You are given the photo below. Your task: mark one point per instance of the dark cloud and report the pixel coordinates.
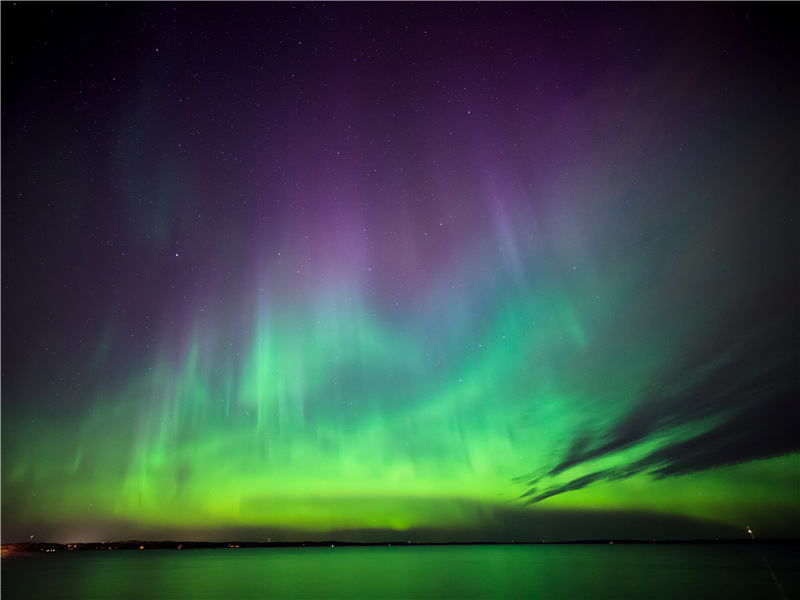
(743, 402)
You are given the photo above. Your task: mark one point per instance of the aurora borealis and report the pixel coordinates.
(399, 271)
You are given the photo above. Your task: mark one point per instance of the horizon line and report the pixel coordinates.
(132, 544)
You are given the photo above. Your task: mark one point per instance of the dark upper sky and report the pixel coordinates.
(451, 269)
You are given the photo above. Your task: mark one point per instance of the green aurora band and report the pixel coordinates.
(334, 419)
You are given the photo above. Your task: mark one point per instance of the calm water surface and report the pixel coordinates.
(531, 572)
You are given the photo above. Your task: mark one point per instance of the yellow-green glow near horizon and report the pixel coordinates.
(298, 294)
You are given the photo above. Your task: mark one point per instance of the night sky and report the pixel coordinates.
(400, 271)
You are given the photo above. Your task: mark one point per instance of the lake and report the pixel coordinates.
(509, 571)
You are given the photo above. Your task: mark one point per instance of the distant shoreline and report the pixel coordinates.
(190, 545)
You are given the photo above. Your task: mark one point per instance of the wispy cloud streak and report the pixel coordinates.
(738, 404)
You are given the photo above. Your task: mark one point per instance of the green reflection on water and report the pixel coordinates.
(547, 571)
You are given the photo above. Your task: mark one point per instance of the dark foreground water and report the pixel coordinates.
(531, 572)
